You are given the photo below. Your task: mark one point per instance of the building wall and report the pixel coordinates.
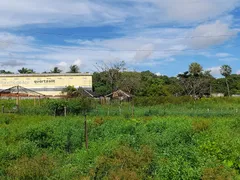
(47, 84)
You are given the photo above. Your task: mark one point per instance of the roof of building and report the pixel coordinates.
(119, 92)
(89, 93)
(19, 90)
(45, 74)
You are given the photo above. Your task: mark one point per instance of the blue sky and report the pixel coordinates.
(163, 36)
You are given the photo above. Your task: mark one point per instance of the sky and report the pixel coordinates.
(163, 36)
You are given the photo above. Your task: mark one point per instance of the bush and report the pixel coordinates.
(125, 163)
(39, 167)
(218, 173)
(199, 126)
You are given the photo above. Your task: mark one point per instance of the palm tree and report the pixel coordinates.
(226, 71)
(26, 71)
(195, 69)
(74, 69)
(5, 72)
(56, 70)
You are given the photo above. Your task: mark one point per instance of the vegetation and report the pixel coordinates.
(26, 71)
(195, 82)
(73, 69)
(56, 70)
(163, 133)
(194, 140)
(5, 72)
(226, 72)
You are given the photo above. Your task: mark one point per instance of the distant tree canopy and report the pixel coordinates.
(26, 71)
(56, 70)
(73, 69)
(5, 72)
(194, 82)
(226, 71)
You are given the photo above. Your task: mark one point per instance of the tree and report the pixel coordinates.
(71, 91)
(5, 72)
(195, 81)
(100, 83)
(74, 69)
(26, 71)
(195, 69)
(112, 73)
(226, 71)
(56, 70)
(130, 82)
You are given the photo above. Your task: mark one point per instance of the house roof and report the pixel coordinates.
(21, 91)
(45, 74)
(89, 93)
(120, 92)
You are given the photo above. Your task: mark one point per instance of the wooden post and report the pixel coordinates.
(120, 110)
(85, 129)
(65, 111)
(2, 108)
(132, 110)
(18, 98)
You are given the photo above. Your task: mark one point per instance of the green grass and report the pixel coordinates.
(166, 141)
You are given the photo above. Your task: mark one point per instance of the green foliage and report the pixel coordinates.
(73, 69)
(226, 70)
(40, 167)
(75, 106)
(151, 101)
(26, 71)
(177, 139)
(125, 163)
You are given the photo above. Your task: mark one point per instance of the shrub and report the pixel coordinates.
(199, 126)
(98, 121)
(218, 173)
(125, 163)
(39, 167)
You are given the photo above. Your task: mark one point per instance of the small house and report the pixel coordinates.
(119, 95)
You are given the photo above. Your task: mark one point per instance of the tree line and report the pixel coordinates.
(195, 81)
(23, 70)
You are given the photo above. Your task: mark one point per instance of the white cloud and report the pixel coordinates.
(84, 13)
(61, 13)
(158, 74)
(12, 63)
(238, 72)
(211, 34)
(185, 11)
(144, 52)
(215, 71)
(228, 59)
(223, 55)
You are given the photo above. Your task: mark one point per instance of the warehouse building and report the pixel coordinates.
(46, 84)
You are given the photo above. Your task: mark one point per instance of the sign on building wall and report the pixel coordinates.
(46, 82)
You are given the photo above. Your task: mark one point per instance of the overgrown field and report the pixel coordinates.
(188, 140)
